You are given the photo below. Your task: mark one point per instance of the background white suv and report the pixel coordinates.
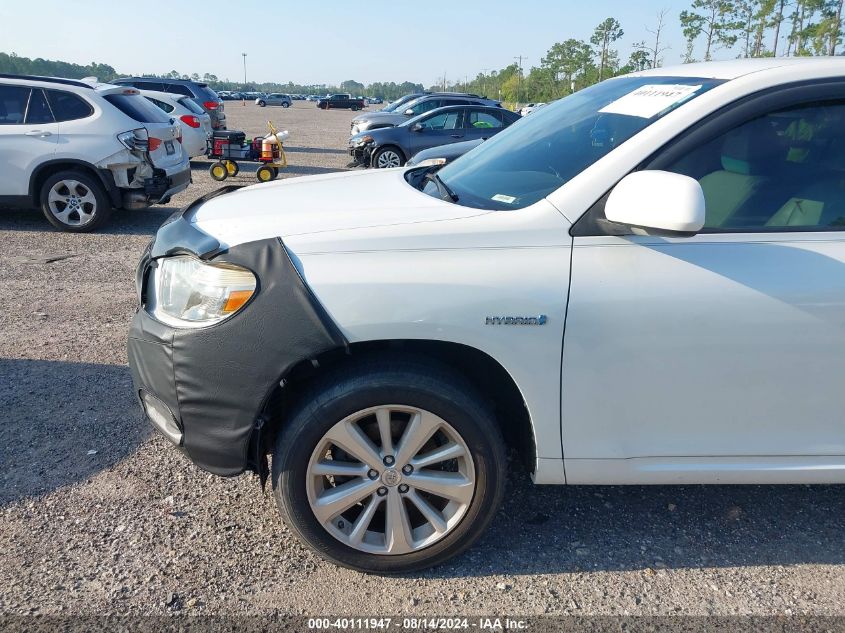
(195, 122)
(78, 150)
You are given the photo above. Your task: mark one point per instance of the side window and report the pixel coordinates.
(38, 110)
(444, 121)
(161, 104)
(148, 85)
(425, 106)
(13, 101)
(179, 89)
(67, 106)
(482, 119)
(782, 171)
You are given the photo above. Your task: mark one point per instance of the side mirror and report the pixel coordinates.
(657, 203)
(409, 112)
(418, 127)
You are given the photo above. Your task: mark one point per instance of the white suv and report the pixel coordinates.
(79, 150)
(641, 283)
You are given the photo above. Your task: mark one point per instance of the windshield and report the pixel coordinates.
(390, 107)
(538, 154)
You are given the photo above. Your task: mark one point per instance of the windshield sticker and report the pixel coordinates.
(651, 100)
(500, 197)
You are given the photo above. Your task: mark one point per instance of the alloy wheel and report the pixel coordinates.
(72, 203)
(390, 479)
(388, 158)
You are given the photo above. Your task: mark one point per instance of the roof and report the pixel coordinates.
(51, 80)
(738, 67)
(202, 84)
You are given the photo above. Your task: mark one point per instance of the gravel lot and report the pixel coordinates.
(98, 516)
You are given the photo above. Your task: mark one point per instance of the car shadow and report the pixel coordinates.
(122, 221)
(553, 529)
(292, 149)
(63, 423)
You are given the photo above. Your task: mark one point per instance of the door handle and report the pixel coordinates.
(457, 135)
(39, 133)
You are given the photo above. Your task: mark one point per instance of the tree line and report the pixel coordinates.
(747, 28)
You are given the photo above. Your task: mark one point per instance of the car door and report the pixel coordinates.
(481, 124)
(719, 357)
(440, 128)
(28, 136)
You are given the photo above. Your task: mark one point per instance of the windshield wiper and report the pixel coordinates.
(445, 192)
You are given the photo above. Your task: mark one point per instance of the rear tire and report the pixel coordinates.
(285, 104)
(391, 392)
(75, 201)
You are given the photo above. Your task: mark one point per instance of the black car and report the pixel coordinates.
(199, 92)
(341, 102)
(392, 146)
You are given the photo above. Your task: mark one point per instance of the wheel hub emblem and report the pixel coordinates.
(391, 477)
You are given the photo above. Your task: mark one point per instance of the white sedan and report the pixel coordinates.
(641, 283)
(196, 123)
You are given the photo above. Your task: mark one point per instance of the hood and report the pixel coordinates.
(345, 210)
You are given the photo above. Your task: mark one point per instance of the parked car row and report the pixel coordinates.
(420, 121)
(79, 150)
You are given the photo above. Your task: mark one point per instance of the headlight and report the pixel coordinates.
(364, 140)
(186, 292)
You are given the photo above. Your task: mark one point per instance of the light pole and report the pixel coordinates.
(243, 101)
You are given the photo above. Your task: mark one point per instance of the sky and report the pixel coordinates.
(322, 41)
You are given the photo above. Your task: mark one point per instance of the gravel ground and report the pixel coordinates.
(98, 516)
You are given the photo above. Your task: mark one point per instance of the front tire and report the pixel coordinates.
(388, 157)
(261, 104)
(391, 467)
(285, 104)
(75, 201)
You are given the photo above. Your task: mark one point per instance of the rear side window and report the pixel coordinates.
(13, 104)
(178, 89)
(482, 119)
(138, 108)
(67, 106)
(166, 107)
(191, 105)
(204, 93)
(38, 110)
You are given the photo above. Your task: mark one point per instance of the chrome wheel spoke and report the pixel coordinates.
(443, 453)
(397, 526)
(453, 486)
(54, 196)
(336, 468)
(336, 500)
(419, 430)
(431, 514)
(359, 528)
(352, 439)
(383, 418)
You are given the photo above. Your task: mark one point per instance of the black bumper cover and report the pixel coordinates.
(218, 380)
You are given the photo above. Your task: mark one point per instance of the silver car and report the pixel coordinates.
(275, 99)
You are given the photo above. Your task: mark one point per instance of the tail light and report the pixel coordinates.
(211, 105)
(190, 120)
(155, 143)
